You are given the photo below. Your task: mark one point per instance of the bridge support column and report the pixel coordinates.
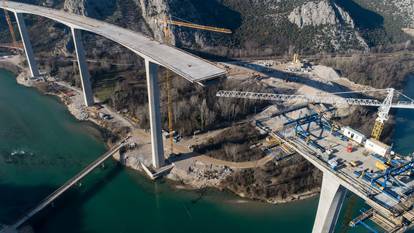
(154, 114)
(330, 203)
(34, 70)
(83, 67)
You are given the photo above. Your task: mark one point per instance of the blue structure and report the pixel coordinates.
(303, 127)
(382, 180)
(361, 222)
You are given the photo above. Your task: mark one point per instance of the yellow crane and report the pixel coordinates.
(383, 110)
(167, 35)
(167, 22)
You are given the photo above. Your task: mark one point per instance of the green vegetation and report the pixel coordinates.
(378, 22)
(275, 181)
(233, 144)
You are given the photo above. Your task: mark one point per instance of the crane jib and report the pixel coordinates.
(325, 99)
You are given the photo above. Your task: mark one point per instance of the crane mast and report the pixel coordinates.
(383, 111)
(383, 114)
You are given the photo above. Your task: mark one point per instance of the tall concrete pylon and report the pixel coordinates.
(83, 67)
(330, 204)
(154, 114)
(34, 70)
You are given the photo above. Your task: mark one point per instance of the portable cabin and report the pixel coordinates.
(377, 147)
(353, 135)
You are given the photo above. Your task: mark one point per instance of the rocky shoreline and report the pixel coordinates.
(178, 178)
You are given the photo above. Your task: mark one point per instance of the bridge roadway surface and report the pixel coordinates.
(364, 191)
(45, 202)
(180, 62)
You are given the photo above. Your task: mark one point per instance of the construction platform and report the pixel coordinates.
(384, 181)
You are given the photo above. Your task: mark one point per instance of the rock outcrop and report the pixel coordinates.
(319, 13)
(336, 26)
(155, 12)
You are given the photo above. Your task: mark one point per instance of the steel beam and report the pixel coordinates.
(330, 204)
(154, 114)
(83, 67)
(34, 70)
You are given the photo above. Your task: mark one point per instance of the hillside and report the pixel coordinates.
(261, 28)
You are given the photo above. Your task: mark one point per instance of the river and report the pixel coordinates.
(49, 146)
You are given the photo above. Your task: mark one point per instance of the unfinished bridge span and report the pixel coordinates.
(155, 54)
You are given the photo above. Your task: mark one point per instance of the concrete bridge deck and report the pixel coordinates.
(343, 179)
(182, 63)
(70, 183)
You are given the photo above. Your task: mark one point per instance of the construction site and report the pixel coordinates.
(305, 102)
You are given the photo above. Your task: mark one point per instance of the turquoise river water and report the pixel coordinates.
(42, 145)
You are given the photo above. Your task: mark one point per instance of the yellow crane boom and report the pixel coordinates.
(196, 26)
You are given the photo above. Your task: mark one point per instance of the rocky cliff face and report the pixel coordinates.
(260, 27)
(154, 12)
(75, 6)
(320, 14)
(336, 24)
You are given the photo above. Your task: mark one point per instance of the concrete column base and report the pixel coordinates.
(330, 203)
(158, 158)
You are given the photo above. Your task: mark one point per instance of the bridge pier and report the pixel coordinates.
(154, 114)
(34, 70)
(330, 203)
(83, 67)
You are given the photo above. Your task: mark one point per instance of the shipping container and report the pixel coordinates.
(353, 135)
(377, 147)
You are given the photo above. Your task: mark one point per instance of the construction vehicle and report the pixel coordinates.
(335, 99)
(355, 163)
(350, 148)
(333, 163)
(381, 166)
(168, 37)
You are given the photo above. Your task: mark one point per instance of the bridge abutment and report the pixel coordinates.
(34, 70)
(154, 114)
(83, 67)
(330, 203)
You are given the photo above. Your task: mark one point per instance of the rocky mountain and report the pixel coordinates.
(260, 27)
(338, 24)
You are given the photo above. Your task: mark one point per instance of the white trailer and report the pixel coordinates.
(377, 147)
(353, 135)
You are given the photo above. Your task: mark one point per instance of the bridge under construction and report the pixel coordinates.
(349, 160)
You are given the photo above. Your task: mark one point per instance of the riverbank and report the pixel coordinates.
(205, 171)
